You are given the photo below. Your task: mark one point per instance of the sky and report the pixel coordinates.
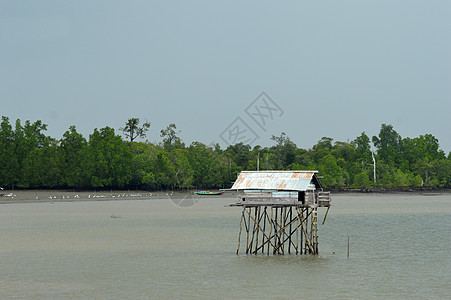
(230, 71)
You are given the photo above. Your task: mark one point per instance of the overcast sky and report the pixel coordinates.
(327, 68)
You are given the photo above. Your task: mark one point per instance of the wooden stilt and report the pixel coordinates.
(301, 232)
(247, 229)
(282, 225)
(276, 236)
(297, 234)
(325, 216)
(258, 217)
(289, 241)
(279, 230)
(270, 230)
(305, 228)
(280, 211)
(264, 228)
(239, 235)
(253, 230)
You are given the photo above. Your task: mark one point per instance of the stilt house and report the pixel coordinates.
(280, 211)
(292, 188)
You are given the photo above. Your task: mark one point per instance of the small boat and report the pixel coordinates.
(208, 193)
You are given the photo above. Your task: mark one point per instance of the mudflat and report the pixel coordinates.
(23, 196)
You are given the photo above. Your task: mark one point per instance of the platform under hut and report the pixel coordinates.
(279, 211)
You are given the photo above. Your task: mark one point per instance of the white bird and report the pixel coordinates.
(1, 188)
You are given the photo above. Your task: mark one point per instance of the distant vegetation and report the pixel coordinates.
(30, 159)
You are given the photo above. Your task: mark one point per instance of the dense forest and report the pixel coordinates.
(107, 160)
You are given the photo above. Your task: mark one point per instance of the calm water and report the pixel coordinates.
(139, 249)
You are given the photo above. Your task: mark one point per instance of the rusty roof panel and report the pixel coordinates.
(275, 180)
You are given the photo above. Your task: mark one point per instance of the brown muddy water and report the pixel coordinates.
(178, 246)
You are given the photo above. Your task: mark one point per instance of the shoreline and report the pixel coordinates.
(382, 190)
(56, 196)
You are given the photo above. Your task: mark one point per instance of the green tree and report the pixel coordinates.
(183, 173)
(400, 179)
(420, 154)
(331, 171)
(270, 161)
(72, 163)
(362, 149)
(170, 138)
(163, 170)
(9, 166)
(388, 145)
(143, 157)
(285, 150)
(30, 142)
(132, 130)
(424, 167)
(345, 155)
(361, 180)
(108, 160)
(302, 160)
(240, 154)
(321, 149)
(442, 170)
(30, 159)
(206, 172)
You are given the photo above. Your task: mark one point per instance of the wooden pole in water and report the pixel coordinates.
(247, 230)
(325, 216)
(297, 231)
(289, 240)
(283, 216)
(251, 237)
(306, 233)
(282, 228)
(270, 229)
(301, 220)
(348, 246)
(239, 235)
(264, 229)
(275, 232)
(315, 229)
(258, 227)
(253, 229)
(311, 233)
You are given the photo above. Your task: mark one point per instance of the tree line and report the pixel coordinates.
(31, 159)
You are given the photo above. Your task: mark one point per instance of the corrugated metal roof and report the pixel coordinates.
(276, 180)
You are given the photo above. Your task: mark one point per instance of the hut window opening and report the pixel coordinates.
(301, 196)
